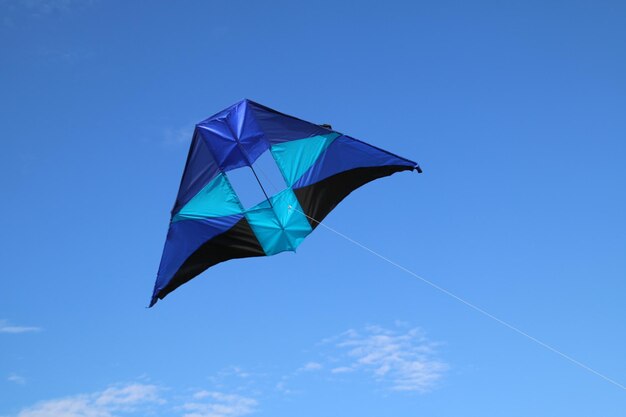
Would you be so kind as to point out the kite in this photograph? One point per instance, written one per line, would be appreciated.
(209, 224)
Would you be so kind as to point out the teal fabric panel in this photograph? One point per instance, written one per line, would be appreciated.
(290, 214)
(268, 230)
(216, 199)
(281, 226)
(295, 157)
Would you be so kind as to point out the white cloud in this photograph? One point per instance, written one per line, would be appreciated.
(17, 379)
(77, 406)
(126, 397)
(239, 372)
(406, 361)
(44, 7)
(236, 378)
(282, 386)
(107, 403)
(311, 366)
(178, 136)
(341, 370)
(400, 359)
(139, 399)
(218, 404)
(5, 327)
(201, 394)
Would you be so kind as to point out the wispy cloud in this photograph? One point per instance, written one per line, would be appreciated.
(311, 366)
(16, 379)
(126, 397)
(218, 404)
(178, 136)
(400, 358)
(282, 387)
(236, 379)
(13, 12)
(50, 6)
(140, 399)
(403, 360)
(5, 327)
(107, 403)
(284, 384)
(341, 370)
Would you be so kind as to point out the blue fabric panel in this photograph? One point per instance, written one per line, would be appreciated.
(294, 158)
(234, 137)
(223, 145)
(184, 238)
(216, 199)
(347, 153)
(279, 127)
(248, 131)
(281, 226)
(200, 169)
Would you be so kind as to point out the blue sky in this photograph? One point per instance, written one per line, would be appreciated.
(515, 110)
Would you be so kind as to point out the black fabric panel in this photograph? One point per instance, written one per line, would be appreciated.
(319, 199)
(238, 242)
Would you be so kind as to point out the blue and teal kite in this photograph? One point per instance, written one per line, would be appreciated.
(209, 224)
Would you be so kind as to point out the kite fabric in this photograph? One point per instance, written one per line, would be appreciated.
(209, 224)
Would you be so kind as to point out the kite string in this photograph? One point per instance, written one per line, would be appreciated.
(467, 303)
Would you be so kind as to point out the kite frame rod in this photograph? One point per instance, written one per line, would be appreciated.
(261, 185)
(244, 153)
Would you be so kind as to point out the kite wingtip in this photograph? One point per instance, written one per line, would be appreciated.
(418, 169)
